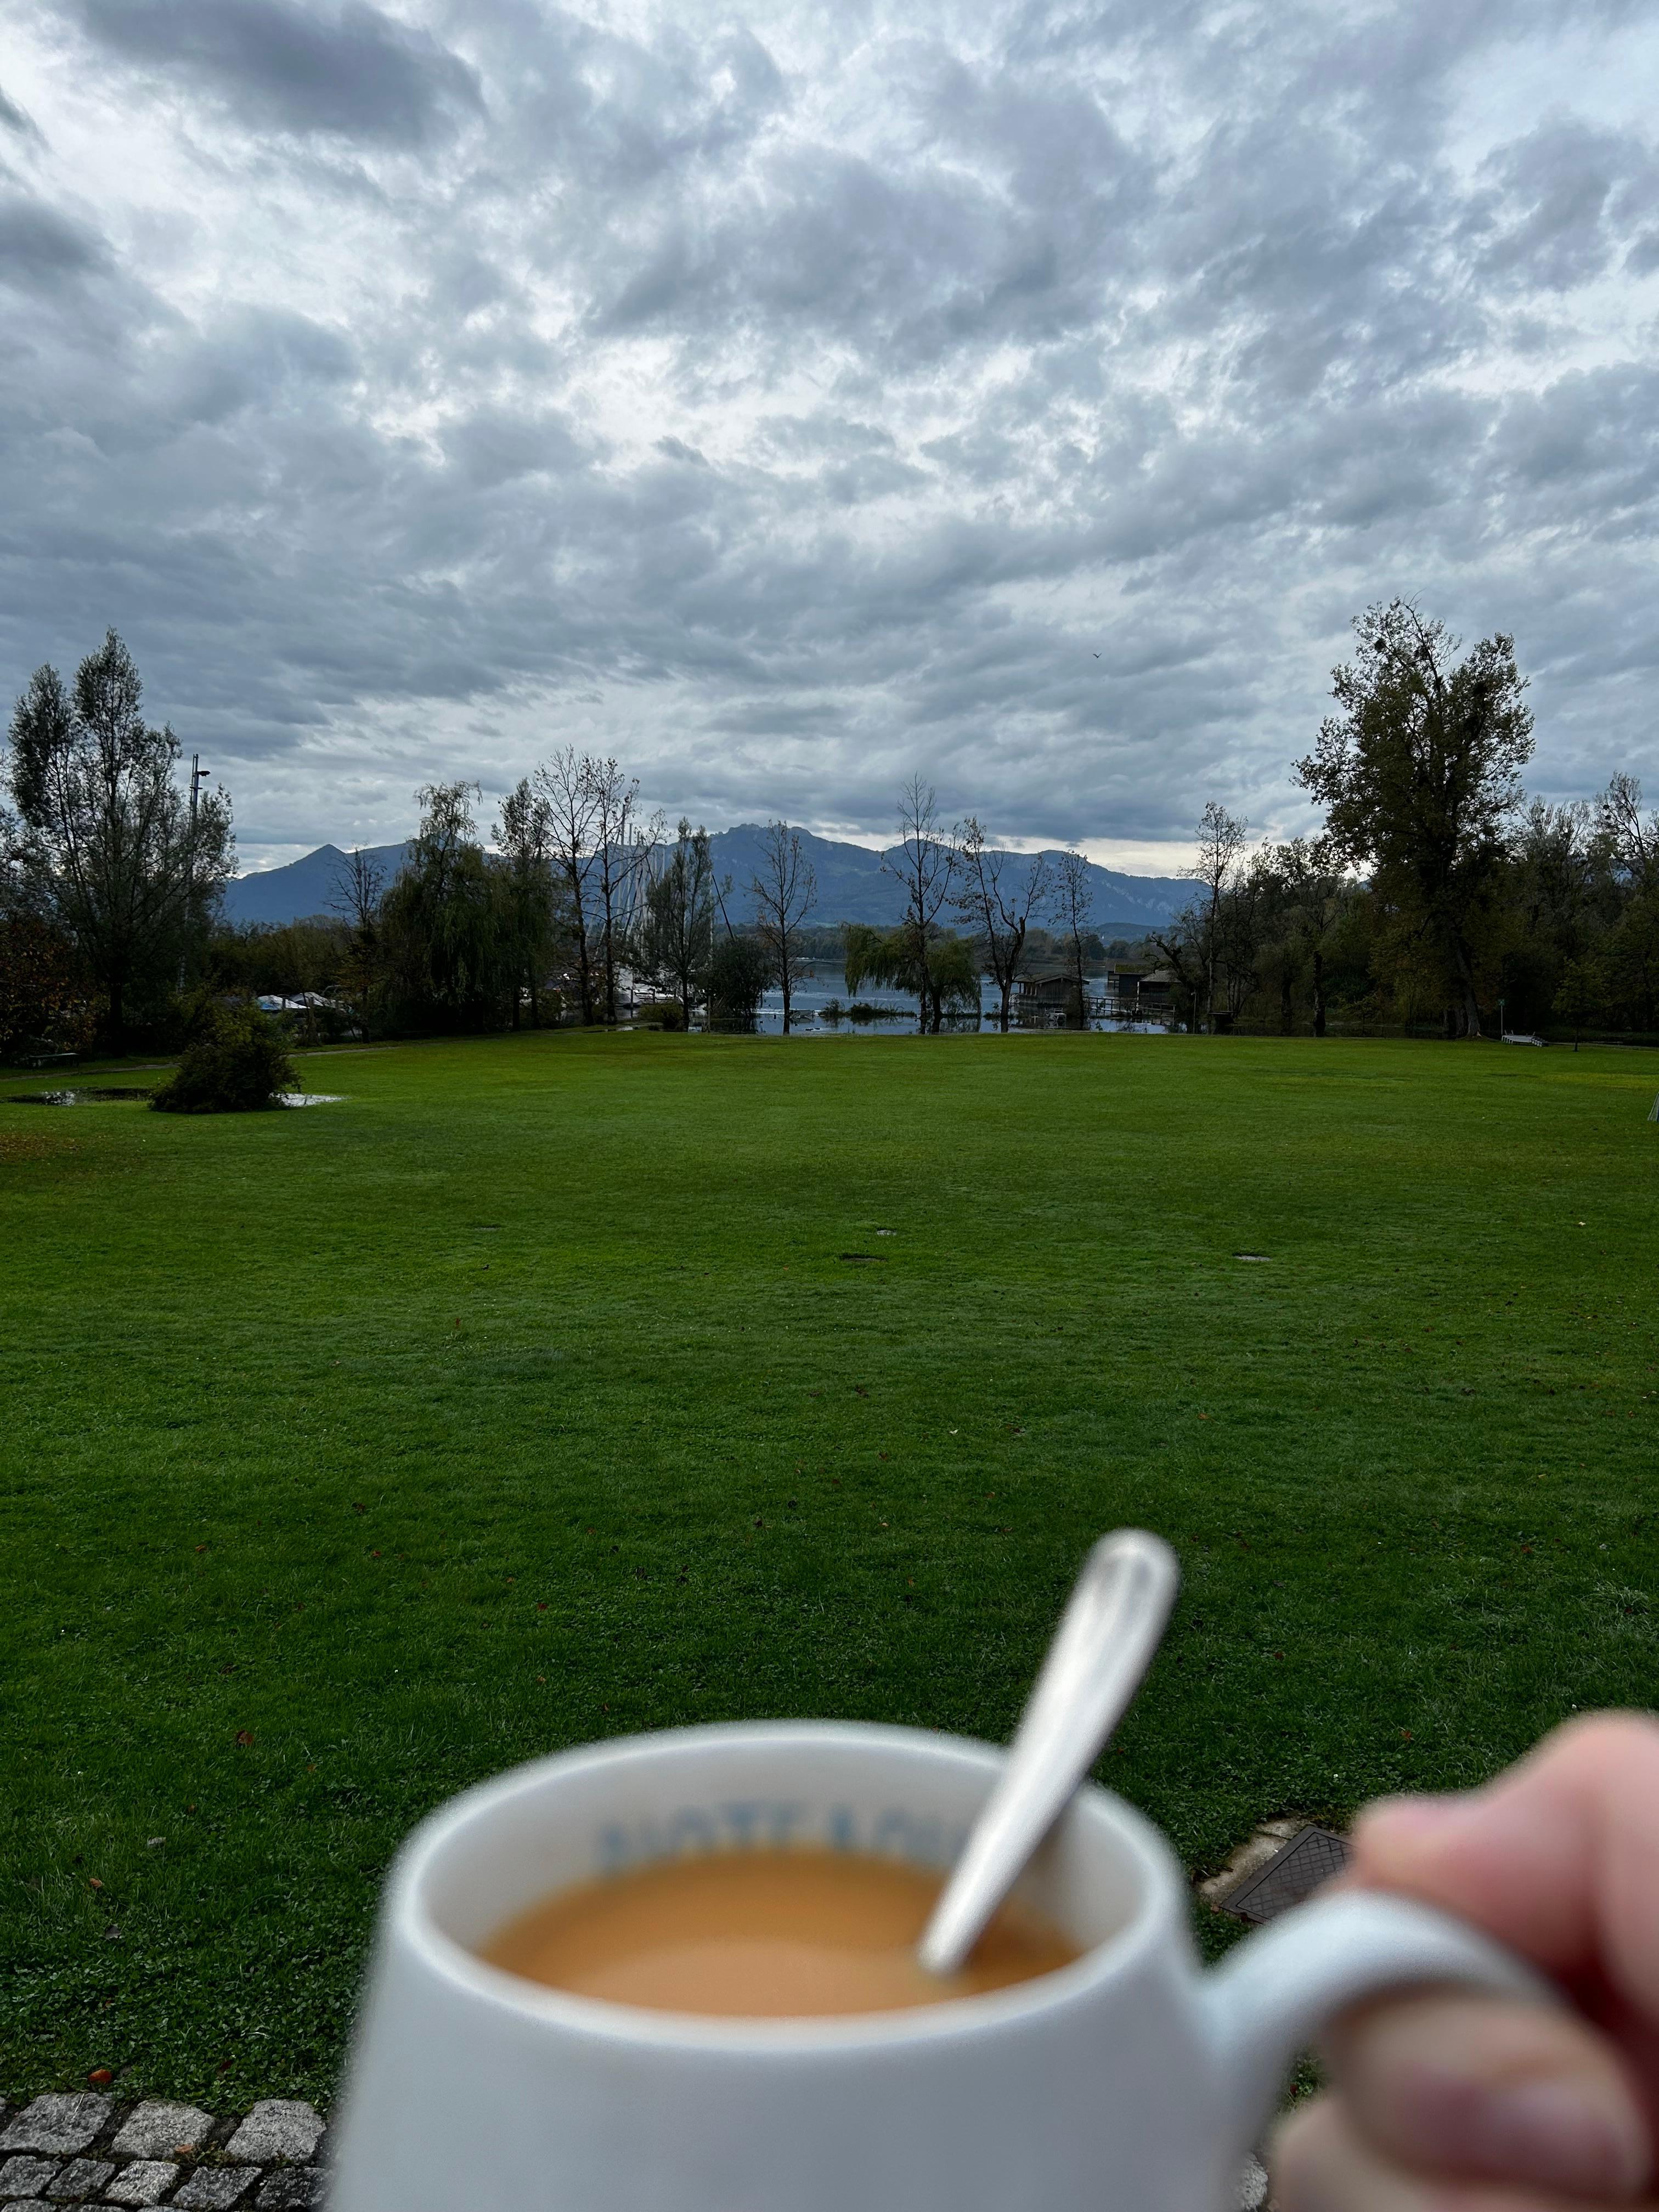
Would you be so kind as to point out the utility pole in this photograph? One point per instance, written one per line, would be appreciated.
(198, 776)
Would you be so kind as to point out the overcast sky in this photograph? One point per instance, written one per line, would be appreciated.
(789, 396)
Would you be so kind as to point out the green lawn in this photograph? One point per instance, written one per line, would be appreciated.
(530, 1396)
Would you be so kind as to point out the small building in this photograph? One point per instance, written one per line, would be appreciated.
(1136, 994)
(1035, 995)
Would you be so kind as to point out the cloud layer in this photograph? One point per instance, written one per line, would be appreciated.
(785, 401)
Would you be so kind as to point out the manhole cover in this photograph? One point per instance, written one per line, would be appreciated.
(1290, 1875)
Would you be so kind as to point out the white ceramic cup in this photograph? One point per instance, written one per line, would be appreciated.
(1128, 2081)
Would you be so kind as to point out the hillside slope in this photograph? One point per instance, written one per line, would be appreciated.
(851, 885)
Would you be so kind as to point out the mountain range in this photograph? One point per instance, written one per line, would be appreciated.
(851, 885)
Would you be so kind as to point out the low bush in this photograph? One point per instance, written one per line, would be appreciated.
(235, 1062)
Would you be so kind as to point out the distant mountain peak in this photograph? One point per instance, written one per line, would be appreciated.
(852, 884)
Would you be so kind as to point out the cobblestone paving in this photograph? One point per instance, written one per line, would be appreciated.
(89, 2150)
(60, 2152)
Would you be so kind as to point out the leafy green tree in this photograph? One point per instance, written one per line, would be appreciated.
(43, 1000)
(1583, 987)
(526, 891)
(1419, 776)
(450, 964)
(675, 938)
(111, 849)
(1073, 904)
(1298, 895)
(739, 970)
(1632, 964)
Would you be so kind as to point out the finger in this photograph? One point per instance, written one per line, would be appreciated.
(1497, 2092)
(1319, 2163)
(1556, 1857)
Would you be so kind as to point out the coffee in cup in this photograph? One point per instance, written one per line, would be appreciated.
(766, 1934)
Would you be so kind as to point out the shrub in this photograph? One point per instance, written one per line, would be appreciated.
(235, 1062)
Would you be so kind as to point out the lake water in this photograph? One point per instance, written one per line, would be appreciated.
(822, 987)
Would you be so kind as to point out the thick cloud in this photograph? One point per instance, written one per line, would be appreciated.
(785, 402)
(353, 72)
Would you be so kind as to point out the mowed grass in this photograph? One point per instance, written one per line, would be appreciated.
(532, 1396)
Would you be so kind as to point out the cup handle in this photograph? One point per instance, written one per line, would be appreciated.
(1268, 1999)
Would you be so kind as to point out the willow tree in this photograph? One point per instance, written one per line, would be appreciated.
(944, 974)
(449, 943)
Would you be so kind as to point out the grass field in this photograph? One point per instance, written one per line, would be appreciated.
(531, 1396)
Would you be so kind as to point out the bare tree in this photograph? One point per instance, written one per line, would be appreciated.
(358, 896)
(1000, 900)
(620, 851)
(784, 890)
(1631, 843)
(1074, 899)
(1220, 842)
(923, 863)
(565, 783)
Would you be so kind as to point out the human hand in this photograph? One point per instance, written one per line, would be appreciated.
(1446, 2102)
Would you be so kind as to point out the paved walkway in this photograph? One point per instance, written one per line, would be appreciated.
(92, 2150)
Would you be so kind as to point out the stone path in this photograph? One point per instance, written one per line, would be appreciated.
(89, 2149)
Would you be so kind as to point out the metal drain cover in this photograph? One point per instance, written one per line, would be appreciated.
(1291, 1873)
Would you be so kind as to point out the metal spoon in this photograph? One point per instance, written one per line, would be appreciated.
(1103, 1645)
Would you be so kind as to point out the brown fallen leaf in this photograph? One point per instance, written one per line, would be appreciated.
(245, 1737)
(100, 2077)
(92, 1881)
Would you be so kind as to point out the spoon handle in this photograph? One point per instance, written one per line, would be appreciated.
(1104, 1643)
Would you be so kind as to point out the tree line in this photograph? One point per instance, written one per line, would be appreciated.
(579, 895)
(1435, 892)
(1438, 893)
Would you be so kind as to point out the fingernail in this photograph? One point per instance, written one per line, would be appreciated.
(1555, 2135)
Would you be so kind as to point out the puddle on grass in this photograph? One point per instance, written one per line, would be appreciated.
(85, 1097)
(79, 1097)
